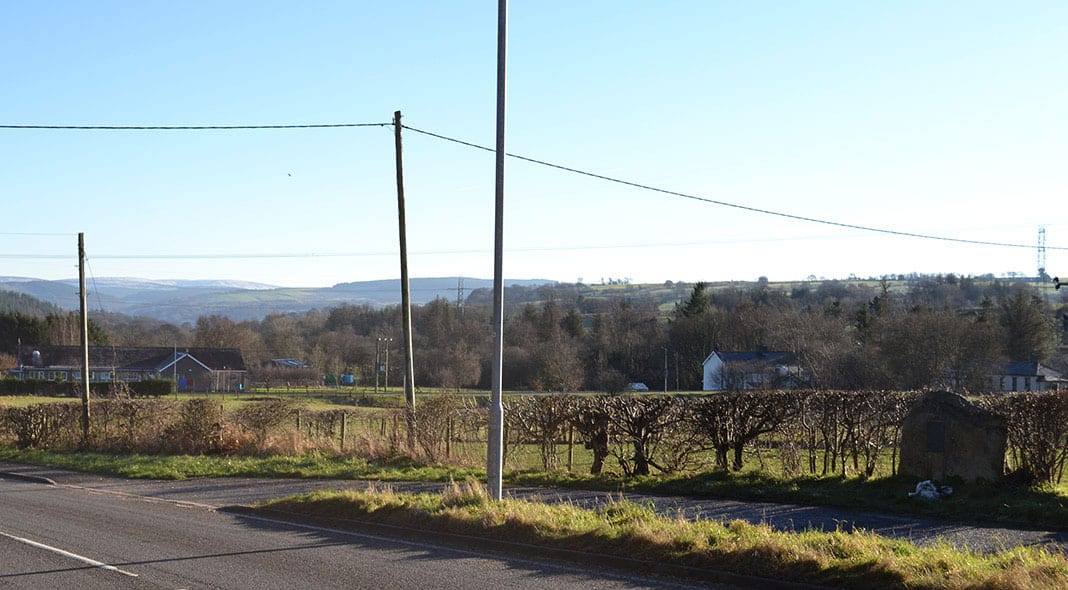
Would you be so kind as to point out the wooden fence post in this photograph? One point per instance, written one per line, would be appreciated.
(344, 423)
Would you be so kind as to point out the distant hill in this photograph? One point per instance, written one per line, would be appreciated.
(21, 303)
(184, 301)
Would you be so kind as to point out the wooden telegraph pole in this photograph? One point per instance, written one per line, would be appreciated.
(84, 338)
(406, 295)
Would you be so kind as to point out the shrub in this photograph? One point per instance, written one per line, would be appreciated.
(39, 425)
(197, 429)
(152, 387)
(542, 420)
(432, 424)
(130, 425)
(1037, 425)
(264, 416)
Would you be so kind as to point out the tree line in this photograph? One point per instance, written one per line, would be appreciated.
(847, 335)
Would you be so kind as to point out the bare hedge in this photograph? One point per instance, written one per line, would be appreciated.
(813, 432)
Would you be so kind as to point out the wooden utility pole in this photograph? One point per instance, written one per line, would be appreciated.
(84, 338)
(378, 362)
(406, 295)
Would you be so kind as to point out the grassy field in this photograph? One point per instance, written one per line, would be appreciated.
(21, 401)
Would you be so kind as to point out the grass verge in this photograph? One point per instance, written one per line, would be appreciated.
(184, 466)
(973, 503)
(841, 559)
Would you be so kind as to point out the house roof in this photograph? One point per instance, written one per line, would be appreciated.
(1030, 369)
(755, 356)
(132, 358)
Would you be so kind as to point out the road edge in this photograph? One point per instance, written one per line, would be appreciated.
(26, 477)
(617, 563)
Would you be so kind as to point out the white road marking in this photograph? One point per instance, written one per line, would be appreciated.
(68, 554)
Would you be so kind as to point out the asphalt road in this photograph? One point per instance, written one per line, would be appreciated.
(75, 536)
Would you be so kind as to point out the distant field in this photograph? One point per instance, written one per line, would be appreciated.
(21, 401)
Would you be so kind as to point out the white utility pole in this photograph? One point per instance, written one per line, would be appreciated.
(495, 438)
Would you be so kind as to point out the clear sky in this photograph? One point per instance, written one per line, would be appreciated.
(944, 118)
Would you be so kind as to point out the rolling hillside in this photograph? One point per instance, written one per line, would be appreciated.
(185, 301)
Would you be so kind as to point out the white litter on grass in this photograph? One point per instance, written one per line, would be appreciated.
(927, 490)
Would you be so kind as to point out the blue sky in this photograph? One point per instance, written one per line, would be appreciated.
(940, 118)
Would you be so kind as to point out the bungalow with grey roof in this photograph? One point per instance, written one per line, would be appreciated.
(1027, 376)
(194, 369)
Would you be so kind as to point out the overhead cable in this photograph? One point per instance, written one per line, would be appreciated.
(620, 181)
(734, 205)
(189, 127)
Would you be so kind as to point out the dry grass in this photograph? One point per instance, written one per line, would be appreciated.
(845, 559)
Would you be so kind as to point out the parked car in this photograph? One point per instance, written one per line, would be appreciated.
(637, 387)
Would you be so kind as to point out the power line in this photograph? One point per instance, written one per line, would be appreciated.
(729, 204)
(282, 255)
(8, 233)
(96, 290)
(603, 177)
(189, 127)
(572, 248)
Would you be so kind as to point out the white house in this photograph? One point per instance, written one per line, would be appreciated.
(1027, 376)
(759, 369)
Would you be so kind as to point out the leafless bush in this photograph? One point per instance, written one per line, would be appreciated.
(129, 425)
(263, 417)
(849, 429)
(731, 421)
(542, 420)
(433, 421)
(198, 428)
(471, 421)
(591, 421)
(639, 424)
(41, 425)
(875, 426)
(1037, 426)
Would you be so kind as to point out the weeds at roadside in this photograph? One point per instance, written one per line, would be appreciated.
(842, 559)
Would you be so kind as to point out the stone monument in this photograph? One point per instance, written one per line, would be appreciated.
(945, 435)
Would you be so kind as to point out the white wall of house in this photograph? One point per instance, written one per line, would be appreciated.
(1009, 383)
(713, 373)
